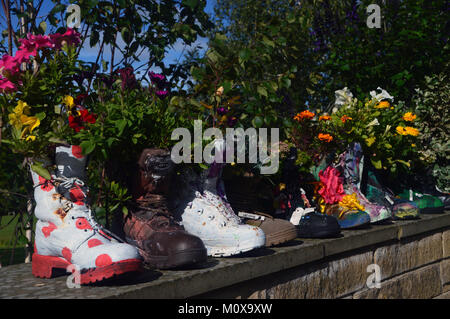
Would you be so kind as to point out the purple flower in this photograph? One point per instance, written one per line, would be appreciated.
(162, 93)
(158, 79)
(128, 79)
(222, 110)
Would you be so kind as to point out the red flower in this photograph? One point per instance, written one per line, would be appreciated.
(88, 117)
(76, 122)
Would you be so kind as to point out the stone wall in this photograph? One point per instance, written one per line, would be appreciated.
(412, 267)
(413, 259)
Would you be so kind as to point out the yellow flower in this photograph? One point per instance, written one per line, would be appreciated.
(68, 100)
(409, 117)
(413, 145)
(30, 123)
(14, 120)
(382, 105)
(412, 131)
(21, 108)
(30, 138)
(401, 130)
(408, 130)
(351, 202)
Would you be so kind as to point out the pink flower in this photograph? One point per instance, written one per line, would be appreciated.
(41, 41)
(23, 56)
(28, 47)
(9, 64)
(6, 86)
(333, 189)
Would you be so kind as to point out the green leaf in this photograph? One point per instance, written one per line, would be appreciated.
(87, 147)
(262, 91)
(39, 169)
(257, 121)
(125, 211)
(41, 116)
(120, 124)
(244, 55)
(376, 163)
(269, 42)
(43, 26)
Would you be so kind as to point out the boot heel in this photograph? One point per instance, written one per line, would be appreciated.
(43, 266)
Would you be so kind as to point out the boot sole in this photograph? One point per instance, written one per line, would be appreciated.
(328, 233)
(180, 259)
(50, 266)
(215, 251)
(177, 260)
(280, 237)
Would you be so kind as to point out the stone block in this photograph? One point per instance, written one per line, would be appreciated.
(399, 258)
(311, 283)
(445, 295)
(349, 274)
(331, 280)
(445, 272)
(424, 283)
(446, 243)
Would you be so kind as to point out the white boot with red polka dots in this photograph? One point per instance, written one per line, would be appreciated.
(67, 234)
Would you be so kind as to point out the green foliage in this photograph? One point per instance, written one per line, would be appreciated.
(432, 105)
(411, 43)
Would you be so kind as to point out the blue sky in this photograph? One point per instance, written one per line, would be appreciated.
(90, 54)
(174, 54)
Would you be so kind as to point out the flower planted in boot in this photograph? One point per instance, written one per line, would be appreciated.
(149, 226)
(67, 235)
(352, 162)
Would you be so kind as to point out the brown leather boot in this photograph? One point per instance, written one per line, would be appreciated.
(149, 225)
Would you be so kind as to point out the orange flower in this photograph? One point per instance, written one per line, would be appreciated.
(324, 118)
(304, 115)
(345, 118)
(409, 117)
(382, 105)
(325, 137)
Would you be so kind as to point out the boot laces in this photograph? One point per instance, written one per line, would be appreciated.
(69, 182)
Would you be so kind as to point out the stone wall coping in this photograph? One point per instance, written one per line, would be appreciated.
(16, 281)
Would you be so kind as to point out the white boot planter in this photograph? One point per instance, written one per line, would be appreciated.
(212, 219)
(66, 232)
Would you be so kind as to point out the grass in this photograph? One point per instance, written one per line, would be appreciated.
(7, 242)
